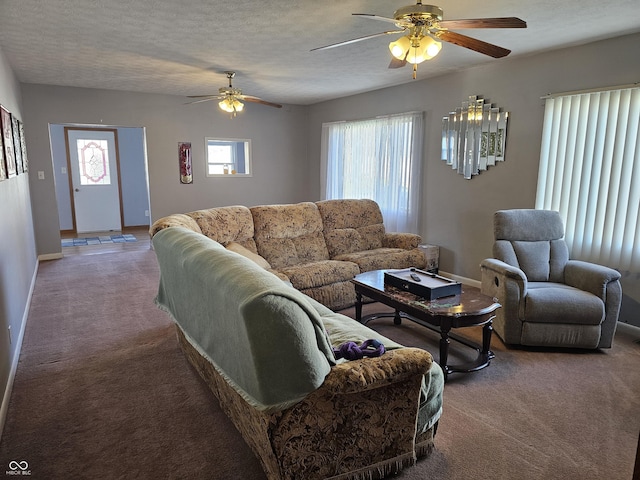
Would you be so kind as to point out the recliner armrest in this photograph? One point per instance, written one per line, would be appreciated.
(504, 270)
(503, 281)
(590, 277)
(407, 241)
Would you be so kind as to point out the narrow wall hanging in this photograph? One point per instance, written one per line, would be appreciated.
(184, 158)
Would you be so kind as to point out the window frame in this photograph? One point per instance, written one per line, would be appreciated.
(235, 144)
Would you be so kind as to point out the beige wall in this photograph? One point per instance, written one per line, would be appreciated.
(18, 262)
(278, 136)
(457, 213)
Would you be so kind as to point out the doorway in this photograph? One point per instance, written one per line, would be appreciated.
(93, 167)
(130, 153)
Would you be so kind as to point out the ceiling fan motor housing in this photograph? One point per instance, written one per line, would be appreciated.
(418, 14)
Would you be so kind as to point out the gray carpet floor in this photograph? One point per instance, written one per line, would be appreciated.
(102, 391)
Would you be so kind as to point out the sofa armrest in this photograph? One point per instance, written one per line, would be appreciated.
(406, 241)
(369, 373)
(174, 220)
(590, 277)
(373, 400)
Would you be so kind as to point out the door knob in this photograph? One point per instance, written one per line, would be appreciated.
(77, 189)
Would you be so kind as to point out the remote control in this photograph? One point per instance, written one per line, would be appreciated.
(415, 277)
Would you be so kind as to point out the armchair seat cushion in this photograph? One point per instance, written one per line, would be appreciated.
(549, 302)
(384, 258)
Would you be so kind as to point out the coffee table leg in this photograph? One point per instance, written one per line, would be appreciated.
(358, 306)
(487, 330)
(444, 349)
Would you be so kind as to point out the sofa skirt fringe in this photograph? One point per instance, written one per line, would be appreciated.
(379, 470)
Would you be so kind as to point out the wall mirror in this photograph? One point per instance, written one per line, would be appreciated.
(228, 157)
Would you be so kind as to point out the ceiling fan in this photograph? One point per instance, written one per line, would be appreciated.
(231, 98)
(423, 27)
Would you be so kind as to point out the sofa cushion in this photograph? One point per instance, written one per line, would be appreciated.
(227, 224)
(317, 274)
(245, 252)
(288, 235)
(385, 258)
(351, 225)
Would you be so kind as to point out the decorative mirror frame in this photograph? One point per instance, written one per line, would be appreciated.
(474, 136)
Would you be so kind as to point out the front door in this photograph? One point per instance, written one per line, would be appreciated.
(92, 158)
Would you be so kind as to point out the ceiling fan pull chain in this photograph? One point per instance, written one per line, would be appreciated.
(415, 70)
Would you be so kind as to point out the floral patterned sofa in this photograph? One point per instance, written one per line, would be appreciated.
(318, 247)
(267, 351)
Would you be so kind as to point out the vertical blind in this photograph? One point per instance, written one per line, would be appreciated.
(379, 159)
(590, 173)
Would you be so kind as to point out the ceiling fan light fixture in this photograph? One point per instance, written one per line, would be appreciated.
(433, 47)
(224, 105)
(415, 50)
(231, 104)
(400, 47)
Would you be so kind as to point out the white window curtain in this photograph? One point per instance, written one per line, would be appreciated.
(590, 173)
(379, 159)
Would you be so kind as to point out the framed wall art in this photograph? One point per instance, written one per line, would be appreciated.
(184, 159)
(17, 147)
(23, 147)
(3, 168)
(7, 140)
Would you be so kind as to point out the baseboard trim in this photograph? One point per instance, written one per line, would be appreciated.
(50, 256)
(4, 408)
(464, 280)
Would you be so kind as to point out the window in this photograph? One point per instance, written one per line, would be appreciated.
(228, 157)
(379, 159)
(590, 173)
(93, 162)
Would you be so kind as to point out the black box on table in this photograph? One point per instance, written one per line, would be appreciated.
(424, 284)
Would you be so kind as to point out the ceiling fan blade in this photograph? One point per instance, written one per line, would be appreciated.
(201, 96)
(499, 22)
(472, 44)
(208, 99)
(249, 98)
(395, 63)
(359, 39)
(404, 23)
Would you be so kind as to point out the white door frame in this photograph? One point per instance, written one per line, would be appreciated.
(70, 177)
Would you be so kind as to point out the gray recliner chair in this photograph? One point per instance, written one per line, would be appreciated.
(547, 299)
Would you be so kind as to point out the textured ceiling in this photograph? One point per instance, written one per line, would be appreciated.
(183, 48)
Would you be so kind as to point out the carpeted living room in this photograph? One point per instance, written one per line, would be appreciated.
(116, 398)
(464, 182)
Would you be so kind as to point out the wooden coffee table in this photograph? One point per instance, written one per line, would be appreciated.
(468, 309)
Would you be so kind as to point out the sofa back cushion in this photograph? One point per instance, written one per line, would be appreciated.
(351, 225)
(288, 235)
(226, 225)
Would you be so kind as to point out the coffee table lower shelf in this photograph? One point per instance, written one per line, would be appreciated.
(485, 355)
